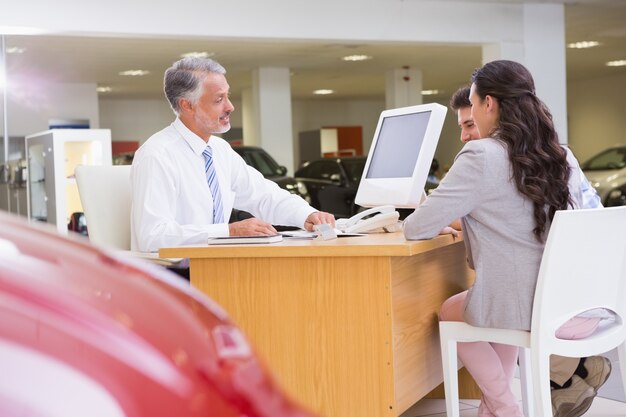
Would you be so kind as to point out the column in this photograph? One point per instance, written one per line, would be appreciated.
(267, 122)
(403, 87)
(544, 42)
(249, 119)
(513, 51)
(543, 53)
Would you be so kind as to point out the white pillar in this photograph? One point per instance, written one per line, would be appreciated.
(249, 120)
(271, 114)
(543, 53)
(403, 87)
(513, 51)
(544, 41)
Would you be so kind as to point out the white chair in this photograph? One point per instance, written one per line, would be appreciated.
(105, 194)
(106, 198)
(583, 267)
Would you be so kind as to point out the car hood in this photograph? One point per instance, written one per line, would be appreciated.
(606, 180)
(156, 345)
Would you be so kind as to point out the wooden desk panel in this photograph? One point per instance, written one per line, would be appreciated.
(420, 284)
(318, 327)
(349, 326)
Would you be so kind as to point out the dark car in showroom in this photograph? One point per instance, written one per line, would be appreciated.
(86, 332)
(332, 184)
(263, 162)
(606, 172)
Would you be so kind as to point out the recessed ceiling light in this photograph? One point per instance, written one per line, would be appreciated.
(197, 54)
(583, 44)
(618, 63)
(134, 73)
(104, 89)
(323, 91)
(356, 58)
(15, 50)
(430, 92)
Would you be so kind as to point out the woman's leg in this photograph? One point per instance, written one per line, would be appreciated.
(491, 365)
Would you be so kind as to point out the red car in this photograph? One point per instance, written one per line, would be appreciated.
(89, 333)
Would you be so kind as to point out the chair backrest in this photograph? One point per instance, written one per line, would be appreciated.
(105, 194)
(583, 267)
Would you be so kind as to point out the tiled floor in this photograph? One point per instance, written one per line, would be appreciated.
(601, 407)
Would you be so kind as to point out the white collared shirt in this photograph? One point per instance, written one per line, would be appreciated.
(172, 203)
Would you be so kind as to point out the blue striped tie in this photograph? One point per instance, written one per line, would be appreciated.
(218, 212)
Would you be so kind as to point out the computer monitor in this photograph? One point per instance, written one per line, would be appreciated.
(400, 156)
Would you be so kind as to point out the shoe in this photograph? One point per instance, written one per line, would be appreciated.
(598, 370)
(574, 400)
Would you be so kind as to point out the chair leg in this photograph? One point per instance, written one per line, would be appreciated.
(450, 373)
(526, 380)
(621, 350)
(541, 382)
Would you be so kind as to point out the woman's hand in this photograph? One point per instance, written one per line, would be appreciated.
(449, 231)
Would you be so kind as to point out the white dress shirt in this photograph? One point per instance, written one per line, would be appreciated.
(172, 203)
(591, 199)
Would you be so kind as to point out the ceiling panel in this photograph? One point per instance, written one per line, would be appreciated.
(313, 64)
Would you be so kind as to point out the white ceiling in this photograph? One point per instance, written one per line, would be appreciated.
(313, 64)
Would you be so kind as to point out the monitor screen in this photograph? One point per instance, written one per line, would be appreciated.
(400, 156)
(402, 132)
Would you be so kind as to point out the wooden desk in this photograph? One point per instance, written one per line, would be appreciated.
(349, 326)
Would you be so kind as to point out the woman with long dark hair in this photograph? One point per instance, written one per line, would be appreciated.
(506, 189)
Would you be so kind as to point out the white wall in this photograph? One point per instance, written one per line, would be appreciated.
(134, 120)
(30, 111)
(314, 114)
(595, 107)
(381, 21)
(384, 20)
(131, 119)
(138, 119)
(596, 114)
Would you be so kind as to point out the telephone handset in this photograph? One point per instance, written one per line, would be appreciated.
(369, 220)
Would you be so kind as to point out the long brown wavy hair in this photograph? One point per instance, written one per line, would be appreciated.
(540, 168)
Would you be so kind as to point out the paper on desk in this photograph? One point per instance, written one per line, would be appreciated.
(299, 234)
(304, 234)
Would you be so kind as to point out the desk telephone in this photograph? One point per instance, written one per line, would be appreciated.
(369, 220)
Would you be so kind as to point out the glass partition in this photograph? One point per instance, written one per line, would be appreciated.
(4, 137)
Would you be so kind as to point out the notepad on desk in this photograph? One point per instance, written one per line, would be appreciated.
(244, 240)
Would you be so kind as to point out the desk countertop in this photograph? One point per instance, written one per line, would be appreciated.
(378, 244)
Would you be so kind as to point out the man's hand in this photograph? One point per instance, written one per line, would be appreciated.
(251, 227)
(319, 217)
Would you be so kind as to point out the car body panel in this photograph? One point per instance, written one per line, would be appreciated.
(606, 172)
(332, 183)
(88, 332)
(263, 162)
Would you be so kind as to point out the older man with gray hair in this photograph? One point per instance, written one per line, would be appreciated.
(185, 181)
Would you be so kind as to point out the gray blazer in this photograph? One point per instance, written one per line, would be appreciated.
(497, 227)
